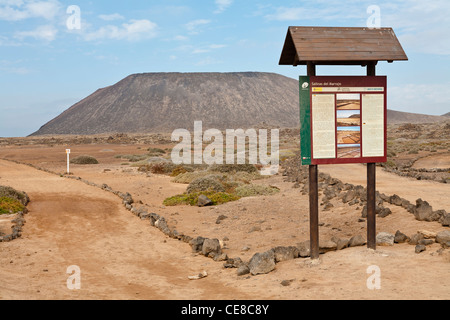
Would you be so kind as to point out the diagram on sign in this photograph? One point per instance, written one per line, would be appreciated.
(343, 119)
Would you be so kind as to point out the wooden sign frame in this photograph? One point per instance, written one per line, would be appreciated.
(343, 119)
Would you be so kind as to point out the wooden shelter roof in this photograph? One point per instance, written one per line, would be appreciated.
(340, 46)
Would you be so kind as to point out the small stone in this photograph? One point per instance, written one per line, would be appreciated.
(326, 246)
(304, 249)
(197, 244)
(285, 253)
(220, 219)
(204, 201)
(400, 237)
(385, 239)
(243, 270)
(233, 263)
(420, 248)
(211, 246)
(445, 219)
(357, 241)
(340, 243)
(349, 196)
(424, 212)
(443, 237)
(255, 229)
(426, 242)
(395, 200)
(262, 263)
(286, 283)
(221, 257)
(199, 276)
(383, 212)
(428, 234)
(414, 240)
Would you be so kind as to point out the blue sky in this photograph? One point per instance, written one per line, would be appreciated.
(47, 63)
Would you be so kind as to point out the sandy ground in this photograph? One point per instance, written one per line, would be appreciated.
(122, 257)
(441, 161)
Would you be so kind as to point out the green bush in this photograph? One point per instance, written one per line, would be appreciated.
(10, 205)
(9, 192)
(84, 160)
(217, 198)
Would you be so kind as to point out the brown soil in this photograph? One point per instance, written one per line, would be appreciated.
(439, 161)
(348, 137)
(349, 152)
(349, 105)
(349, 122)
(122, 257)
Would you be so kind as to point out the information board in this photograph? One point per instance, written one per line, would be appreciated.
(343, 119)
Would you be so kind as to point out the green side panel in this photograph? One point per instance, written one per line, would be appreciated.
(305, 120)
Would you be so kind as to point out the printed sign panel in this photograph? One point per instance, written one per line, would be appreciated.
(343, 120)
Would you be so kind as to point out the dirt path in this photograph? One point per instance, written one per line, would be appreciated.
(120, 257)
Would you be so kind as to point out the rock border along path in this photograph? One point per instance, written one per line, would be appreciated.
(263, 263)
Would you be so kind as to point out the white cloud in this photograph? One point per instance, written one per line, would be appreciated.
(421, 26)
(208, 61)
(208, 48)
(198, 51)
(111, 17)
(181, 38)
(287, 14)
(46, 33)
(14, 67)
(420, 98)
(17, 10)
(192, 26)
(222, 5)
(340, 11)
(135, 30)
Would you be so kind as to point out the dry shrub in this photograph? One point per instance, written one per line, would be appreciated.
(205, 184)
(84, 160)
(177, 171)
(188, 177)
(252, 190)
(158, 168)
(231, 168)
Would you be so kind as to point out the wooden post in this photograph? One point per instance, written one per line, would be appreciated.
(371, 187)
(313, 195)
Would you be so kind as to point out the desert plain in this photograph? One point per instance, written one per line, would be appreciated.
(73, 220)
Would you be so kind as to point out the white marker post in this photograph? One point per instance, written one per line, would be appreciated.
(68, 161)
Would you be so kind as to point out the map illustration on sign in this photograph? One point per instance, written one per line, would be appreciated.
(343, 120)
